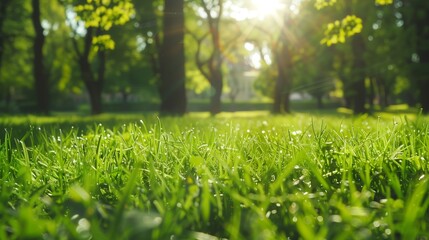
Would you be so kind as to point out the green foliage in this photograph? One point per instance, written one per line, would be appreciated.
(319, 4)
(316, 177)
(104, 40)
(338, 31)
(265, 82)
(15, 72)
(104, 14)
(384, 2)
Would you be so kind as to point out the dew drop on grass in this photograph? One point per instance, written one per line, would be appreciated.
(376, 224)
(294, 219)
(335, 218)
(83, 226)
(47, 200)
(293, 208)
(319, 218)
(374, 204)
(297, 132)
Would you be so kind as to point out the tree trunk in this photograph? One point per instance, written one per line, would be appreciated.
(94, 84)
(97, 86)
(40, 80)
(279, 86)
(216, 65)
(371, 95)
(283, 82)
(8, 97)
(217, 85)
(284, 65)
(124, 96)
(88, 79)
(319, 99)
(421, 21)
(172, 60)
(286, 99)
(382, 92)
(358, 75)
(3, 7)
(94, 91)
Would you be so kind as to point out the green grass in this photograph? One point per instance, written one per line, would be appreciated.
(233, 176)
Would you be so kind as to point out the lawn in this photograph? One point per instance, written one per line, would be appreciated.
(235, 176)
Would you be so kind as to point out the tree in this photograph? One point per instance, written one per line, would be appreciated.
(41, 83)
(172, 60)
(289, 52)
(338, 32)
(280, 40)
(98, 18)
(128, 69)
(149, 32)
(59, 58)
(283, 60)
(386, 57)
(3, 14)
(416, 18)
(351, 27)
(16, 40)
(211, 68)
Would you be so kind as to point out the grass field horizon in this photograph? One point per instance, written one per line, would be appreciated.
(234, 176)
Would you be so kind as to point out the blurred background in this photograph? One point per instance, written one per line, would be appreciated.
(176, 56)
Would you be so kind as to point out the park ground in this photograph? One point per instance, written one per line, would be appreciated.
(239, 175)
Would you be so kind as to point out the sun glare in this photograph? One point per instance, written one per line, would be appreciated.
(256, 9)
(265, 8)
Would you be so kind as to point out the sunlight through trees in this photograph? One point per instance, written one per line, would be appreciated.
(358, 54)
